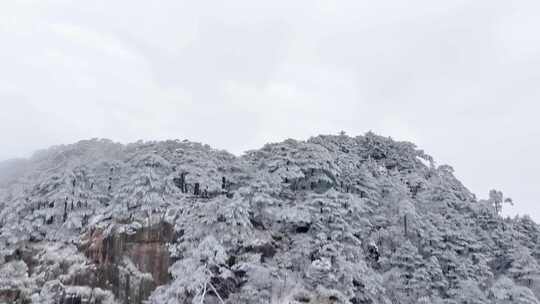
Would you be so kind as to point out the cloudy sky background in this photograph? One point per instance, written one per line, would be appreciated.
(460, 78)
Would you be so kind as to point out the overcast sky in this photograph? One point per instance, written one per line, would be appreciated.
(460, 78)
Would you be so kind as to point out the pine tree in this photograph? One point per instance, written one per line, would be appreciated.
(496, 199)
(524, 268)
(468, 292)
(406, 261)
(437, 281)
(504, 291)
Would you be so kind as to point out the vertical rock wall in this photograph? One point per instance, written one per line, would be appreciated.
(131, 265)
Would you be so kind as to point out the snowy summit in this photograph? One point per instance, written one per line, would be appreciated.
(334, 219)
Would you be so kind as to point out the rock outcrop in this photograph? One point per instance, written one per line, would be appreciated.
(130, 264)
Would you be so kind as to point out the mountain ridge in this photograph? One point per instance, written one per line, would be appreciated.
(332, 219)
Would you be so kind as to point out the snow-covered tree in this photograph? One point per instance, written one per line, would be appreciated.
(524, 268)
(333, 219)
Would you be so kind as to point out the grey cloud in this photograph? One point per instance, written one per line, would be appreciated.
(459, 78)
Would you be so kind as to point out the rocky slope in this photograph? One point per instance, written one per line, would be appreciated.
(335, 219)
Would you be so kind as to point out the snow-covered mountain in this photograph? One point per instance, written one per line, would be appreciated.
(334, 219)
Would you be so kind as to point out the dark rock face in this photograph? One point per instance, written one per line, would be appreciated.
(71, 299)
(25, 254)
(130, 265)
(12, 296)
(267, 250)
(316, 180)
